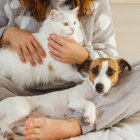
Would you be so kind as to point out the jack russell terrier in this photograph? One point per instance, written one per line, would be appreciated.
(103, 73)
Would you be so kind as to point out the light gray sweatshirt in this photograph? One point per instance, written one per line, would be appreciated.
(98, 29)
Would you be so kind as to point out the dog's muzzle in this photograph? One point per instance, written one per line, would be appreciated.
(99, 88)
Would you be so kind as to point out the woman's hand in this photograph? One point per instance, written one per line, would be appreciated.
(25, 44)
(67, 50)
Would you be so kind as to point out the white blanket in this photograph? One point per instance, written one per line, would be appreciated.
(127, 129)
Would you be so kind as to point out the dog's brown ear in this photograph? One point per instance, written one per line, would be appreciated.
(85, 66)
(123, 64)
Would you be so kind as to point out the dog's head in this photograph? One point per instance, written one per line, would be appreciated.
(104, 72)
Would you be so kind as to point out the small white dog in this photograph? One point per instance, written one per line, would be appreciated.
(63, 23)
(103, 73)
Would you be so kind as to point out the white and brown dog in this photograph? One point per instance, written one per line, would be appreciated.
(103, 73)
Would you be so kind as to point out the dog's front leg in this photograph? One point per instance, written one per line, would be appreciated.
(87, 106)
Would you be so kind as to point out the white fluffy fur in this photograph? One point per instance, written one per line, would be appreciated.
(27, 76)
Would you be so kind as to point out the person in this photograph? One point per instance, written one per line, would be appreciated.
(20, 18)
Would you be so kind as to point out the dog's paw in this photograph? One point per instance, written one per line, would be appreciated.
(7, 133)
(90, 114)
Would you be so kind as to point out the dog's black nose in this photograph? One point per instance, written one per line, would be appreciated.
(99, 87)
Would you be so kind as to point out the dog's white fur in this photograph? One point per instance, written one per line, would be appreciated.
(55, 104)
(27, 76)
(103, 78)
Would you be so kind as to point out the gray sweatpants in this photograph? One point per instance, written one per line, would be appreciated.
(122, 100)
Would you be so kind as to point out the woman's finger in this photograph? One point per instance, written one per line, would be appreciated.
(54, 51)
(68, 39)
(20, 54)
(34, 53)
(57, 58)
(38, 47)
(55, 45)
(28, 55)
(58, 39)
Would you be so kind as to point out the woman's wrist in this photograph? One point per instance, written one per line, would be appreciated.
(84, 57)
(6, 35)
(87, 55)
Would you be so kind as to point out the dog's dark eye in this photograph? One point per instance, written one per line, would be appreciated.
(65, 24)
(110, 72)
(95, 70)
(74, 22)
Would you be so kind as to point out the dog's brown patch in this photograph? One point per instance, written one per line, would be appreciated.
(123, 64)
(114, 66)
(50, 68)
(94, 64)
(84, 66)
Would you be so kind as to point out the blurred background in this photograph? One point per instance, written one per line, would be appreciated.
(126, 18)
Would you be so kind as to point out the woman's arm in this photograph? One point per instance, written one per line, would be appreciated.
(4, 20)
(103, 40)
